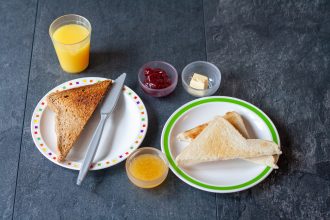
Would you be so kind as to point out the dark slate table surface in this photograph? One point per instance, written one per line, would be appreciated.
(274, 54)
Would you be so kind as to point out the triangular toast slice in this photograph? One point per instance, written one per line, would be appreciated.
(237, 121)
(233, 117)
(73, 108)
(221, 141)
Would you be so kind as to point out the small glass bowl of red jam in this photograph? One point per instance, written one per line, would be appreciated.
(158, 78)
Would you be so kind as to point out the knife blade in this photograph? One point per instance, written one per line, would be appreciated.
(111, 99)
(108, 105)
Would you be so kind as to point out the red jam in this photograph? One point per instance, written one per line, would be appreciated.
(156, 78)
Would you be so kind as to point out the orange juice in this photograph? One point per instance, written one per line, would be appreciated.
(147, 170)
(72, 43)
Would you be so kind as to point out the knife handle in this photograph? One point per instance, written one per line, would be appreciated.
(91, 150)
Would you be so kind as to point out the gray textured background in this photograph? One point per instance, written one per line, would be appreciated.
(274, 54)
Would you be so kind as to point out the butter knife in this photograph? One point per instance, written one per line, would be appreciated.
(108, 105)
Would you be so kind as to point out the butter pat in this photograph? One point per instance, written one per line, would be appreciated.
(199, 81)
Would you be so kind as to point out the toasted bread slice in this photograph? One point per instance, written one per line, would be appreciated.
(233, 117)
(221, 141)
(191, 134)
(73, 108)
(236, 120)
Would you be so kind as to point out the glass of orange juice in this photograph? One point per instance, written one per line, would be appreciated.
(71, 35)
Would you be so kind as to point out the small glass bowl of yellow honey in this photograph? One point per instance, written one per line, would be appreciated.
(147, 167)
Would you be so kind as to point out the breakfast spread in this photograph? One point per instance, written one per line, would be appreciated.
(147, 168)
(220, 140)
(201, 78)
(199, 81)
(73, 108)
(156, 78)
(224, 138)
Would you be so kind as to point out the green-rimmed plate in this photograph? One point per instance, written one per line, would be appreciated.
(221, 176)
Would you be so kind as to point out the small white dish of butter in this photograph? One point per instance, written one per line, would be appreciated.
(201, 78)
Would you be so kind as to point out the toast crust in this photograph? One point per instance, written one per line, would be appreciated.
(73, 109)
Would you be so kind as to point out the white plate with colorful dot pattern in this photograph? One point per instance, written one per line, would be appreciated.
(123, 132)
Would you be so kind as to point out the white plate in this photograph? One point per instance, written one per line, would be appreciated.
(221, 176)
(123, 132)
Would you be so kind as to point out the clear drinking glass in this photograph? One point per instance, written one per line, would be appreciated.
(71, 36)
